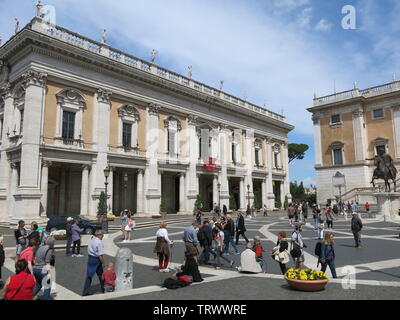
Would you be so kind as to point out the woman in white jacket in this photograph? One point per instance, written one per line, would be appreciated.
(162, 247)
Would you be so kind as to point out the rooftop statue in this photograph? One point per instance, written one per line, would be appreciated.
(385, 170)
(153, 55)
(16, 25)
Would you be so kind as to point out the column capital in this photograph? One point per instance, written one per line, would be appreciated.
(86, 167)
(46, 163)
(140, 172)
(5, 91)
(396, 108)
(34, 78)
(357, 113)
(315, 118)
(192, 120)
(14, 165)
(103, 96)
(154, 109)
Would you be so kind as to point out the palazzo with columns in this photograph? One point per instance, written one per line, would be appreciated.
(349, 128)
(71, 106)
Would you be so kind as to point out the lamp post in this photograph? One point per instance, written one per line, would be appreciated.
(125, 186)
(219, 195)
(338, 181)
(248, 197)
(104, 221)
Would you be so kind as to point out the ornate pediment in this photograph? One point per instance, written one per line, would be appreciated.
(71, 96)
(128, 111)
(336, 145)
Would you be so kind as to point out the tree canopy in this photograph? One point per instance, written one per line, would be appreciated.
(297, 151)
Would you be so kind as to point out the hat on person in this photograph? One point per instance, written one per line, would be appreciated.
(69, 219)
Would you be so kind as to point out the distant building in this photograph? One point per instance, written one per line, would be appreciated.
(350, 127)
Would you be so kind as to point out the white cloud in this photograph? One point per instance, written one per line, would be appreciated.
(290, 4)
(323, 25)
(307, 182)
(304, 18)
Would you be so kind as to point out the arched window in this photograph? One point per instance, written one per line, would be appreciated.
(128, 128)
(70, 106)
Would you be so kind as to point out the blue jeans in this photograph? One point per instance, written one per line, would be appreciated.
(68, 247)
(331, 264)
(232, 242)
(93, 267)
(39, 275)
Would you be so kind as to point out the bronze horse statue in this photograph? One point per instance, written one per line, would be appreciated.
(384, 170)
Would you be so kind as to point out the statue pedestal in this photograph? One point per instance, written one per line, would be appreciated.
(388, 206)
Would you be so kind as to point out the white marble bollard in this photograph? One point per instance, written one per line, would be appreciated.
(124, 270)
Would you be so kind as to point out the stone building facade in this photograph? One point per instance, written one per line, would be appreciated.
(71, 106)
(350, 127)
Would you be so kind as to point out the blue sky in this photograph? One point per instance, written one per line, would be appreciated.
(278, 51)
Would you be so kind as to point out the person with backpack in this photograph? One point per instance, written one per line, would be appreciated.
(326, 254)
(44, 260)
(28, 253)
(297, 247)
(204, 236)
(280, 252)
(68, 230)
(240, 228)
(21, 236)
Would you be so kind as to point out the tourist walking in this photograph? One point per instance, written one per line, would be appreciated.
(240, 228)
(265, 211)
(96, 263)
(354, 207)
(124, 217)
(76, 239)
(2, 259)
(329, 217)
(229, 231)
(356, 227)
(205, 239)
(130, 224)
(19, 286)
(162, 247)
(44, 260)
(20, 236)
(224, 210)
(315, 215)
(198, 217)
(327, 257)
(280, 252)
(367, 208)
(298, 245)
(68, 230)
(28, 253)
(291, 211)
(304, 208)
(190, 239)
(219, 246)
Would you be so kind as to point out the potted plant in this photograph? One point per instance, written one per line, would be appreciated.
(163, 206)
(102, 212)
(306, 280)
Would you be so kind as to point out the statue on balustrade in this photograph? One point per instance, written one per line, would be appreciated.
(385, 170)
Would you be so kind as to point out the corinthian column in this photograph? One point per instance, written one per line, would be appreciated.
(85, 190)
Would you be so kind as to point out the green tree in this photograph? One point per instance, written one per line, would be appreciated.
(102, 206)
(198, 203)
(297, 151)
(232, 203)
(164, 204)
(256, 203)
(278, 203)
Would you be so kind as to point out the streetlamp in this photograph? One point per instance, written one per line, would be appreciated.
(338, 181)
(219, 195)
(125, 186)
(248, 197)
(104, 221)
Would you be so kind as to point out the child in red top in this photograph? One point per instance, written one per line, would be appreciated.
(109, 277)
(258, 249)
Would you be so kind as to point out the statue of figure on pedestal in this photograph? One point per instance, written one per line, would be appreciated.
(16, 25)
(190, 72)
(385, 169)
(104, 36)
(39, 8)
(153, 55)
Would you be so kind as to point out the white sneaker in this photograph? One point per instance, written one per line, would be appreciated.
(80, 255)
(73, 255)
(165, 270)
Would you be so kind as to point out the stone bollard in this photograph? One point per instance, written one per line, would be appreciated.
(124, 270)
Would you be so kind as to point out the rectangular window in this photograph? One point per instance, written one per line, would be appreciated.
(337, 157)
(335, 119)
(126, 135)
(276, 160)
(378, 114)
(380, 149)
(21, 121)
(68, 126)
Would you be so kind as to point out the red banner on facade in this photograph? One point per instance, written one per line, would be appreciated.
(209, 164)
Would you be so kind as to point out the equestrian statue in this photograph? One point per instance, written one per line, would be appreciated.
(385, 170)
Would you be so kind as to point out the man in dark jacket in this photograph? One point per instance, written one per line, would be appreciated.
(205, 240)
(356, 226)
(240, 228)
(229, 232)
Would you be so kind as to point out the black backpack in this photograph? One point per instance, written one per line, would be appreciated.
(318, 249)
(170, 283)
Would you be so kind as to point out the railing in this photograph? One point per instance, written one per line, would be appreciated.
(85, 43)
(369, 92)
